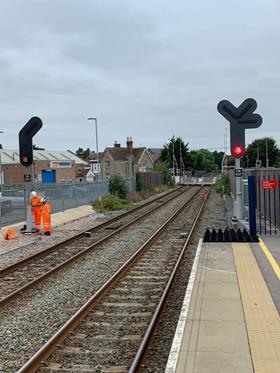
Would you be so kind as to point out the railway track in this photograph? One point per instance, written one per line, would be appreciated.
(110, 332)
(20, 276)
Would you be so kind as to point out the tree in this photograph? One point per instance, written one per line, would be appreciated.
(202, 160)
(35, 147)
(218, 157)
(258, 146)
(167, 152)
(84, 154)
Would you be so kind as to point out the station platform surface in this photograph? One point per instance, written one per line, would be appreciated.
(229, 320)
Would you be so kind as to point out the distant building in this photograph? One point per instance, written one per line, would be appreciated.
(155, 154)
(48, 167)
(125, 161)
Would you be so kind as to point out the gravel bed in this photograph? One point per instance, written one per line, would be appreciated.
(29, 321)
(27, 245)
(156, 358)
(23, 273)
(107, 327)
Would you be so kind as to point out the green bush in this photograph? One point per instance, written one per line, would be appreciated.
(139, 184)
(170, 181)
(118, 187)
(223, 185)
(111, 203)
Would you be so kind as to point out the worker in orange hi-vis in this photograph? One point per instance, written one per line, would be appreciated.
(36, 209)
(46, 216)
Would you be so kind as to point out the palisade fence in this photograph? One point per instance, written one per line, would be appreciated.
(267, 200)
(149, 180)
(61, 196)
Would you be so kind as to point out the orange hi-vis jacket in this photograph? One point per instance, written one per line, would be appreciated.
(36, 210)
(46, 217)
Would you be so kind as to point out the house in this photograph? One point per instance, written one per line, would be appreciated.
(155, 154)
(125, 161)
(48, 167)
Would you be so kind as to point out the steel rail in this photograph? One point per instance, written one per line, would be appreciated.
(50, 346)
(145, 341)
(27, 286)
(93, 229)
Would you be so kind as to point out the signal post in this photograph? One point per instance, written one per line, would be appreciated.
(26, 159)
(240, 118)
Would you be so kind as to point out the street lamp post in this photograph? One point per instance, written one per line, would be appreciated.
(1, 166)
(96, 138)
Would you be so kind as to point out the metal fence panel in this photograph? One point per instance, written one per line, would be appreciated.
(267, 200)
(62, 197)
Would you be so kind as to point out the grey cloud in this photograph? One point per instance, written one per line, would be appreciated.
(145, 69)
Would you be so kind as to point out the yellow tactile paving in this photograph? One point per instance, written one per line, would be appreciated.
(261, 316)
(270, 258)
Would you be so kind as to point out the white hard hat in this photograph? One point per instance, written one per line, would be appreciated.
(33, 194)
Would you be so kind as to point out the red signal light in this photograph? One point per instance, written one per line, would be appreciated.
(24, 158)
(237, 151)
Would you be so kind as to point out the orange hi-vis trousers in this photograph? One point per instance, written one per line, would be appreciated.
(36, 211)
(46, 217)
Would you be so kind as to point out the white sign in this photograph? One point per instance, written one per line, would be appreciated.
(90, 176)
(95, 167)
(60, 164)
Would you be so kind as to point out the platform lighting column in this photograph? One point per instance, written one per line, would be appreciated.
(96, 138)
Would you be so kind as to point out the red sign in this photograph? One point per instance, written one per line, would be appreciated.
(203, 196)
(269, 184)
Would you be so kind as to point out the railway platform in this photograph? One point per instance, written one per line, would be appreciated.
(229, 320)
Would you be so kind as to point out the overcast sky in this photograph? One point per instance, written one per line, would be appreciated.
(146, 69)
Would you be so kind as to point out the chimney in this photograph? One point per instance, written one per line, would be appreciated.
(117, 145)
(129, 144)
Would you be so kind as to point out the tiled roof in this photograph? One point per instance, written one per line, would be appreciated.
(154, 153)
(121, 154)
(9, 156)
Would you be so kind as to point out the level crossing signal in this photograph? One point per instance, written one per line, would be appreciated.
(25, 140)
(240, 118)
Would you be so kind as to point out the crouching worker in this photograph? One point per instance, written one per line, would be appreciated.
(46, 216)
(36, 209)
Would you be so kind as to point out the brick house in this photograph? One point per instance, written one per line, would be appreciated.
(48, 166)
(125, 161)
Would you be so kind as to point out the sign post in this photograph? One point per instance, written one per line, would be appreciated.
(240, 118)
(26, 159)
